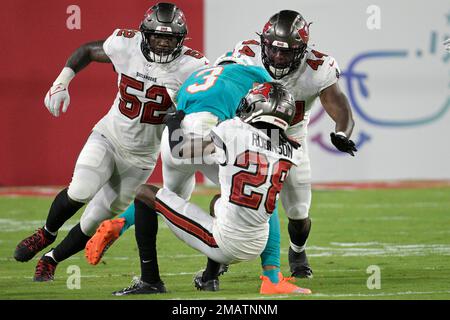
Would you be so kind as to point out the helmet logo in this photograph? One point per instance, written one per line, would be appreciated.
(263, 89)
(182, 17)
(267, 27)
(148, 13)
(304, 32)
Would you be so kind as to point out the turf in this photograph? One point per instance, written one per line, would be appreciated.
(404, 232)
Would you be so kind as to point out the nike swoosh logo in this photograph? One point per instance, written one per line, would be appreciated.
(331, 64)
(146, 261)
(52, 93)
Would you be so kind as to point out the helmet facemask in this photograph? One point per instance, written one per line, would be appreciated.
(280, 61)
(161, 47)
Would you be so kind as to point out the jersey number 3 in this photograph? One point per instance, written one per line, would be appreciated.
(244, 179)
(209, 76)
(130, 105)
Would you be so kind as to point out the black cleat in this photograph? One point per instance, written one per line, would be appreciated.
(298, 262)
(140, 287)
(29, 247)
(45, 270)
(209, 285)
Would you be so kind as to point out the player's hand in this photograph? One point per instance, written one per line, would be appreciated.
(173, 120)
(57, 98)
(342, 143)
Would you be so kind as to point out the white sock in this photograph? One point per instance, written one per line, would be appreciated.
(297, 248)
(52, 233)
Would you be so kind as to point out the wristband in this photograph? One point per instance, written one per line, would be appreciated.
(66, 75)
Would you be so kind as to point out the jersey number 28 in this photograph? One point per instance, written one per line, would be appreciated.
(245, 178)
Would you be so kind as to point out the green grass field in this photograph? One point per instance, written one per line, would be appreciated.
(405, 232)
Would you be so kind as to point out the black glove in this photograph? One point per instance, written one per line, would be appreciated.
(342, 143)
(173, 123)
(173, 120)
(292, 142)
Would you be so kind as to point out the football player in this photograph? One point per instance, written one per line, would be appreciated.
(308, 74)
(207, 96)
(254, 154)
(122, 150)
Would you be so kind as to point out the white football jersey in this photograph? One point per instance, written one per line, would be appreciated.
(251, 174)
(316, 72)
(135, 121)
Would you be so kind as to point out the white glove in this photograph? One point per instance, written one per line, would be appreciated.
(57, 97)
(447, 44)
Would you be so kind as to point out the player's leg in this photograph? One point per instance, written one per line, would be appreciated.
(270, 257)
(114, 197)
(188, 222)
(93, 168)
(296, 199)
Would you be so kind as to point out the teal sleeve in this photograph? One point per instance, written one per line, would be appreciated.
(271, 254)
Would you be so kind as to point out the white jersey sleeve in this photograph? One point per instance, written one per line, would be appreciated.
(327, 74)
(248, 52)
(121, 45)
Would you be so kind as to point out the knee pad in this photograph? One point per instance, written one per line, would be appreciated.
(297, 201)
(83, 190)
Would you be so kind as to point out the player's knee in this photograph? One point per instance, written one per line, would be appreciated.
(89, 224)
(298, 212)
(147, 194)
(82, 191)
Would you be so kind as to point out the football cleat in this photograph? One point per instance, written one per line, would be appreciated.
(104, 237)
(29, 247)
(209, 285)
(140, 287)
(45, 269)
(298, 262)
(282, 287)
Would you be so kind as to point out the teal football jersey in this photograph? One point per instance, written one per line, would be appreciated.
(219, 89)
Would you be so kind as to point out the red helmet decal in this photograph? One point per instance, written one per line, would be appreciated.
(182, 17)
(267, 26)
(148, 13)
(304, 32)
(263, 89)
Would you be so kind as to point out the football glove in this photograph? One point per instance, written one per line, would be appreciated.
(57, 97)
(342, 143)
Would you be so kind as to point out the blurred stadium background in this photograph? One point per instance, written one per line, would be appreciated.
(396, 78)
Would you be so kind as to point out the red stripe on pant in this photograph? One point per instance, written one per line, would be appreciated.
(186, 224)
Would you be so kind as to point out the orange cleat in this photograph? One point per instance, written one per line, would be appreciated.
(282, 287)
(104, 237)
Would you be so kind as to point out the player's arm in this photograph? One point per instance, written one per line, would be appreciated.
(58, 95)
(81, 57)
(336, 105)
(182, 146)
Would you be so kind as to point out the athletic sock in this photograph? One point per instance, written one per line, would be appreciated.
(128, 215)
(61, 210)
(73, 243)
(146, 229)
(211, 271)
(272, 274)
